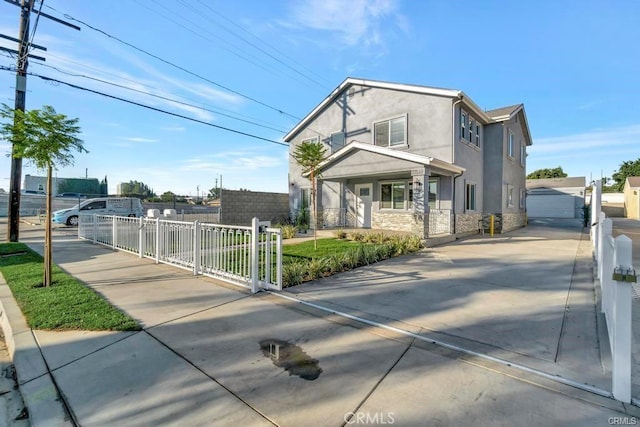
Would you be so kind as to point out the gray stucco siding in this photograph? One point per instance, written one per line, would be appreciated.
(364, 163)
(513, 172)
(493, 153)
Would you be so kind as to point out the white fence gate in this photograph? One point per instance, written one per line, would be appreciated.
(245, 256)
(615, 271)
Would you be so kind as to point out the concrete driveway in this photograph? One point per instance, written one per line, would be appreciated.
(526, 297)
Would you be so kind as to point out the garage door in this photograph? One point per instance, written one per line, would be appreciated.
(551, 206)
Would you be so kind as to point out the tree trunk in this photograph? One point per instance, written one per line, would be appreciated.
(315, 211)
(47, 233)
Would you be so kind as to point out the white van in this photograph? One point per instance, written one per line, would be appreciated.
(119, 206)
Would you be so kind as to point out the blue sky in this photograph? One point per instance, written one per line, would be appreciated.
(574, 64)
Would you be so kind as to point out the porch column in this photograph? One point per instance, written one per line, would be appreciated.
(420, 178)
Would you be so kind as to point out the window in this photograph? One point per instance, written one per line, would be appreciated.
(101, 204)
(463, 124)
(523, 154)
(40, 187)
(305, 198)
(364, 192)
(523, 195)
(390, 133)
(392, 195)
(310, 140)
(471, 122)
(433, 192)
(510, 147)
(336, 141)
(509, 196)
(470, 197)
(477, 134)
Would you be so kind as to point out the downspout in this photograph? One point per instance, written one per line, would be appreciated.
(453, 158)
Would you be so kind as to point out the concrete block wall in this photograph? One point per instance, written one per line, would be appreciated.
(239, 207)
(512, 221)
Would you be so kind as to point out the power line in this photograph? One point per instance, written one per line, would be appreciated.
(67, 16)
(161, 97)
(50, 79)
(278, 60)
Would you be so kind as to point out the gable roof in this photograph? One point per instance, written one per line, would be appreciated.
(634, 181)
(576, 181)
(403, 155)
(351, 81)
(500, 113)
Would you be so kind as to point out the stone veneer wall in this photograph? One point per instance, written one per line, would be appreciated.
(511, 221)
(467, 223)
(399, 221)
(239, 207)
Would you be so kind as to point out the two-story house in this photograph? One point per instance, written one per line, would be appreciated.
(412, 158)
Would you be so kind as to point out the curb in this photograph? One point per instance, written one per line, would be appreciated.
(36, 385)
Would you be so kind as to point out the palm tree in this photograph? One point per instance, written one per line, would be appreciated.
(47, 139)
(309, 155)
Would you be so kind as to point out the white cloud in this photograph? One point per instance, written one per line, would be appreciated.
(358, 22)
(139, 139)
(173, 129)
(598, 138)
(232, 161)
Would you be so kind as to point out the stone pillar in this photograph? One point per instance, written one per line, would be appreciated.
(420, 178)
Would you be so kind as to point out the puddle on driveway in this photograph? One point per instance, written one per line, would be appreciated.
(291, 358)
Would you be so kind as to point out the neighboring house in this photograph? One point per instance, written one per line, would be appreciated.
(555, 197)
(413, 158)
(632, 197)
(39, 183)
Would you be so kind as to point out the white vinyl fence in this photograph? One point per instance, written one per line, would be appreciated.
(615, 271)
(245, 256)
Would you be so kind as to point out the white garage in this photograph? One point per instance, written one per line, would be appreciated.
(555, 197)
(551, 206)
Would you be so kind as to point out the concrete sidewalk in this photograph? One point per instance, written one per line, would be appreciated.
(203, 357)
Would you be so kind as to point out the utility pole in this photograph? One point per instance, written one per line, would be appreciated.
(21, 91)
(26, 8)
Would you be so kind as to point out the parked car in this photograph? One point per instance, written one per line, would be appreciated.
(72, 195)
(119, 206)
(34, 192)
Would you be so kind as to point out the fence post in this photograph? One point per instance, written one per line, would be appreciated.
(596, 197)
(114, 234)
(95, 228)
(279, 261)
(268, 250)
(601, 239)
(606, 265)
(141, 236)
(621, 354)
(157, 240)
(255, 254)
(196, 247)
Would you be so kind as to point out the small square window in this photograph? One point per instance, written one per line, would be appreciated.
(364, 192)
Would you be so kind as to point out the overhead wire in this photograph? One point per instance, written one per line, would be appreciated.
(139, 104)
(165, 61)
(119, 76)
(35, 27)
(263, 51)
(159, 97)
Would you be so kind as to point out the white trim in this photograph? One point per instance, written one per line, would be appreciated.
(403, 155)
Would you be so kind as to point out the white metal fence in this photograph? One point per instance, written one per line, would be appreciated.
(246, 256)
(615, 271)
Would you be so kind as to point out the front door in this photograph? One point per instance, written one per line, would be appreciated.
(364, 195)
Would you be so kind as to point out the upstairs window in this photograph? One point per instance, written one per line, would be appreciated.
(510, 145)
(471, 123)
(336, 141)
(390, 133)
(463, 124)
(477, 134)
(523, 154)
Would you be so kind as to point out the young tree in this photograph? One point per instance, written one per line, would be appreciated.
(627, 169)
(547, 173)
(47, 139)
(309, 155)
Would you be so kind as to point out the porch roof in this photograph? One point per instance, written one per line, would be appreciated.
(416, 159)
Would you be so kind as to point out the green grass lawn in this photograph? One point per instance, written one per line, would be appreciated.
(67, 305)
(325, 247)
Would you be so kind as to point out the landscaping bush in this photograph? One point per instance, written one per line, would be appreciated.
(316, 268)
(356, 236)
(288, 231)
(340, 233)
(293, 273)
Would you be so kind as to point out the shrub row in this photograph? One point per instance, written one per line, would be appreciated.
(295, 270)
